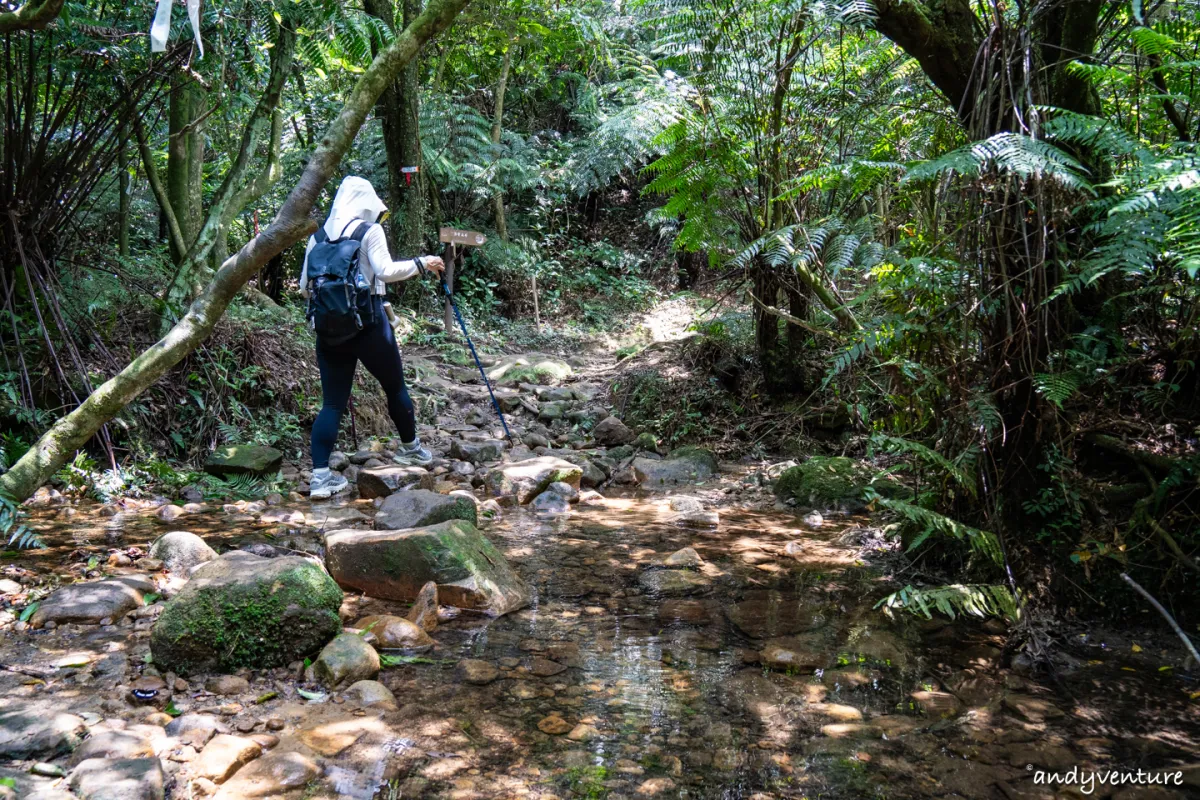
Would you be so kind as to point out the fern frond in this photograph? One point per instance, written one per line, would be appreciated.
(978, 600)
(931, 523)
(1006, 154)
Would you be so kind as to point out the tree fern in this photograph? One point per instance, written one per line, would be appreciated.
(930, 523)
(1007, 154)
(978, 600)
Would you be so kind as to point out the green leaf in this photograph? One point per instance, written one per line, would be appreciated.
(28, 612)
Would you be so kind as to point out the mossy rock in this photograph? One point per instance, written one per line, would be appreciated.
(645, 441)
(832, 482)
(697, 455)
(531, 368)
(245, 611)
(244, 459)
(395, 565)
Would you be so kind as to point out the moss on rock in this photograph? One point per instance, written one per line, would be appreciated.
(244, 611)
(831, 482)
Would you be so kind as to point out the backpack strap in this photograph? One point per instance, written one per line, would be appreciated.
(361, 232)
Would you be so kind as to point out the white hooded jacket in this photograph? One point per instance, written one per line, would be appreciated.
(356, 200)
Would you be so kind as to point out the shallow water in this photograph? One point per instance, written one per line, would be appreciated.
(664, 696)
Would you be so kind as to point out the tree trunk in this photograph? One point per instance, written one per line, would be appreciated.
(388, 110)
(185, 158)
(71, 432)
(497, 128)
(413, 209)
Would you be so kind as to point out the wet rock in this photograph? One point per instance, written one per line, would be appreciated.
(396, 633)
(477, 452)
(700, 520)
(418, 508)
(91, 602)
(338, 460)
(326, 517)
(553, 409)
(223, 756)
(766, 613)
(849, 730)
(244, 459)
(836, 711)
(831, 482)
(655, 786)
(686, 558)
(424, 612)
(468, 569)
(813, 519)
(564, 490)
(1032, 708)
(690, 612)
(170, 513)
(673, 582)
(477, 672)
(118, 779)
(227, 685)
(611, 432)
(554, 725)
(345, 660)
(244, 611)
(385, 481)
(685, 465)
(180, 551)
(545, 668)
(550, 504)
(878, 645)
(372, 693)
(583, 733)
(593, 475)
(795, 654)
(273, 775)
(38, 731)
(527, 479)
(938, 705)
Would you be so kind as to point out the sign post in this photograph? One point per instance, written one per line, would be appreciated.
(454, 239)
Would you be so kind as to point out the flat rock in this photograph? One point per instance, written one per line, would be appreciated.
(477, 672)
(244, 459)
(273, 775)
(468, 569)
(223, 756)
(91, 602)
(687, 611)
(39, 732)
(245, 611)
(386, 481)
(106, 743)
(346, 660)
(686, 558)
(118, 779)
(795, 653)
(686, 465)
(545, 668)
(525, 480)
(372, 693)
(939, 705)
(673, 582)
(181, 551)
(477, 452)
(1032, 708)
(396, 633)
(700, 520)
(227, 685)
(418, 508)
(554, 725)
(765, 613)
(331, 517)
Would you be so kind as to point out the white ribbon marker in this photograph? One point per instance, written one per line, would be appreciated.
(161, 29)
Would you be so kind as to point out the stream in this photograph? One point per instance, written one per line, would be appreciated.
(616, 683)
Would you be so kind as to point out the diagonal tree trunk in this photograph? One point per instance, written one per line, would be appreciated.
(497, 129)
(293, 223)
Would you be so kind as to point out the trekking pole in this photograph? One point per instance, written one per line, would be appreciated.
(463, 327)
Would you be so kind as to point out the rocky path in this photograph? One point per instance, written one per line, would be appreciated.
(575, 614)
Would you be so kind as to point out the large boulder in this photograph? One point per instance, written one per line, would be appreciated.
(831, 482)
(468, 569)
(685, 465)
(181, 551)
(245, 611)
(417, 508)
(244, 459)
(93, 602)
(385, 481)
(527, 479)
(610, 431)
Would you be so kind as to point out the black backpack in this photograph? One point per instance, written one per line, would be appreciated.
(339, 297)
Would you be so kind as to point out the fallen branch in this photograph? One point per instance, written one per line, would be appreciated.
(786, 317)
(1112, 444)
(1187, 642)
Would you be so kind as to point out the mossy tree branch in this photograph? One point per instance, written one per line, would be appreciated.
(292, 223)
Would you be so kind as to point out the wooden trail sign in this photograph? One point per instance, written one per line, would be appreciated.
(465, 238)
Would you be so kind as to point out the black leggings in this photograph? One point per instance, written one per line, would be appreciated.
(376, 348)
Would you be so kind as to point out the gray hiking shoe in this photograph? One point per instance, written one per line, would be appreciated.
(413, 454)
(321, 488)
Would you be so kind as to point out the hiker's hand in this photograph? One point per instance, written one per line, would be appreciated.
(434, 264)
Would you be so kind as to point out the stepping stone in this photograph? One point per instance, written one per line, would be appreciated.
(674, 582)
(36, 731)
(118, 779)
(766, 613)
(273, 775)
(223, 756)
(417, 508)
(525, 480)
(385, 481)
(91, 602)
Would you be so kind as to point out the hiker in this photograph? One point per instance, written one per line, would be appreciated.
(346, 268)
